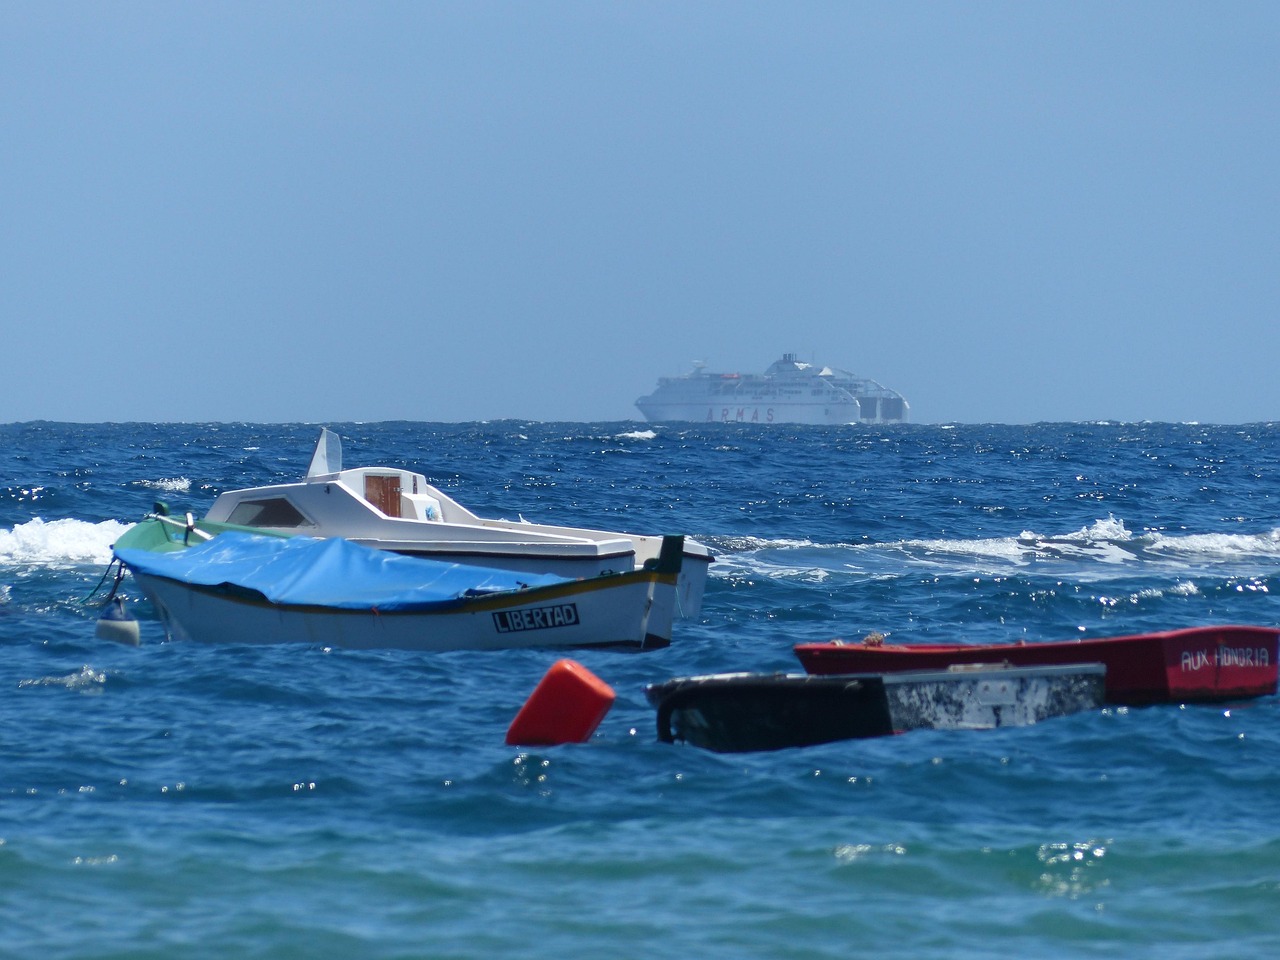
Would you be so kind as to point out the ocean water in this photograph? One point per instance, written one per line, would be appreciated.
(235, 801)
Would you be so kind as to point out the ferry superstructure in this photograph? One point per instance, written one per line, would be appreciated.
(790, 391)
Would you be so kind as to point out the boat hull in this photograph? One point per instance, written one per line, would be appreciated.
(732, 713)
(616, 611)
(1198, 664)
(223, 584)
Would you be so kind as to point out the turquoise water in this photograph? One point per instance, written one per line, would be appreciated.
(185, 800)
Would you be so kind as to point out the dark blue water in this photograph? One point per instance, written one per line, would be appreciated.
(185, 800)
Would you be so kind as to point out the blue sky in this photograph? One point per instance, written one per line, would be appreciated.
(1010, 212)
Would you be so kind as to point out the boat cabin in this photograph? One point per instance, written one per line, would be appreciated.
(396, 494)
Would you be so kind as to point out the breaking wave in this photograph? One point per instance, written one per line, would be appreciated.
(60, 543)
(85, 680)
(167, 484)
(1105, 546)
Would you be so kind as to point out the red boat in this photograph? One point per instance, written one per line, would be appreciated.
(1197, 664)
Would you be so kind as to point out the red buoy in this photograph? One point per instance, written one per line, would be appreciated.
(565, 707)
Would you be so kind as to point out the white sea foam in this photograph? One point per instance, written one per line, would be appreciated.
(1221, 546)
(84, 680)
(1109, 542)
(1105, 543)
(751, 544)
(783, 559)
(58, 543)
(992, 548)
(636, 435)
(1101, 541)
(1110, 530)
(168, 484)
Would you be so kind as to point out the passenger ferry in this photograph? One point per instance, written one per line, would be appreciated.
(790, 391)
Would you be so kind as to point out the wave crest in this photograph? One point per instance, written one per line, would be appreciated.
(60, 542)
(1106, 543)
(167, 484)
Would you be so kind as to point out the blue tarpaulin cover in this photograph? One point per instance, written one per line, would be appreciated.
(327, 573)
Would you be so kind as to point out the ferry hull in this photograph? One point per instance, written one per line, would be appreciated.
(766, 413)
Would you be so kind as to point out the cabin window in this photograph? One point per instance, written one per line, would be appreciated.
(275, 512)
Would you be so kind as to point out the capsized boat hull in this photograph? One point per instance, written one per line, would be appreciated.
(738, 712)
(1196, 664)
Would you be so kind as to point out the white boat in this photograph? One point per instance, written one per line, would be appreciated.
(216, 584)
(790, 391)
(398, 510)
